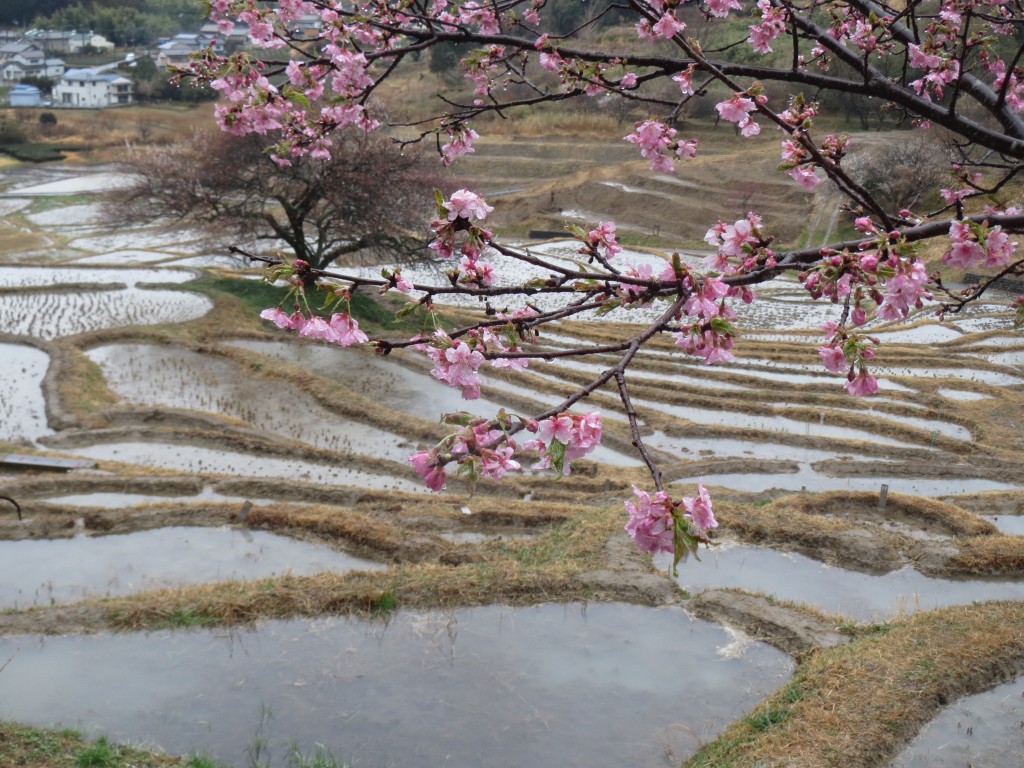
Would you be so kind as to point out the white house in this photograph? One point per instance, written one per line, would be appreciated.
(19, 60)
(92, 89)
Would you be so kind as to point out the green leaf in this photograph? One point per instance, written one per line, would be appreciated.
(557, 453)
(458, 418)
(297, 96)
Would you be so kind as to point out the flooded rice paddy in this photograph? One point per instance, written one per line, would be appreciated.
(552, 685)
(67, 570)
(859, 596)
(170, 377)
(22, 405)
(198, 459)
(985, 730)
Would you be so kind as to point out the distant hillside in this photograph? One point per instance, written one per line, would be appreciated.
(125, 22)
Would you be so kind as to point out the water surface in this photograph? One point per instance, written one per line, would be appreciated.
(488, 687)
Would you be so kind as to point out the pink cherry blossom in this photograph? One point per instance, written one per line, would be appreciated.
(721, 8)
(699, 509)
(668, 26)
(805, 175)
(834, 358)
(736, 109)
(346, 330)
(467, 205)
(862, 384)
(603, 236)
(651, 523)
(425, 465)
(318, 328)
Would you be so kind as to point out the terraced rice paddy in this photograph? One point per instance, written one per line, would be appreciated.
(512, 615)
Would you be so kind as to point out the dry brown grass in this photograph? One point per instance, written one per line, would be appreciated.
(991, 555)
(929, 513)
(855, 706)
(103, 134)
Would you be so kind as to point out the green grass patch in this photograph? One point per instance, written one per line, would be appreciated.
(383, 604)
(189, 617)
(22, 745)
(51, 202)
(374, 316)
(38, 152)
(98, 755)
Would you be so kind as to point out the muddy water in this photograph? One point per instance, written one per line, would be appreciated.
(860, 596)
(985, 730)
(172, 377)
(22, 406)
(64, 570)
(487, 687)
(197, 459)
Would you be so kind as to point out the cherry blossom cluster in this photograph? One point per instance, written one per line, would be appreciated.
(599, 242)
(455, 224)
(658, 524)
(341, 328)
(658, 143)
(848, 353)
(743, 241)
(564, 438)
(975, 244)
(486, 447)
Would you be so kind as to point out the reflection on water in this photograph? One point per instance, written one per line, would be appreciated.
(39, 572)
(982, 731)
(861, 596)
(552, 685)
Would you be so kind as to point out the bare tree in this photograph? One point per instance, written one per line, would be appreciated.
(369, 197)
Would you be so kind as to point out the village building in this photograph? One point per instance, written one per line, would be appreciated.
(87, 88)
(21, 59)
(23, 95)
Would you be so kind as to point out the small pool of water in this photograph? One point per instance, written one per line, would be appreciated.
(486, 687)
(860, 596)
(960, 394)
(41, 572)
(1011, 524)
(985, 730)
(88, 182)
(692, 448)
(926, 333)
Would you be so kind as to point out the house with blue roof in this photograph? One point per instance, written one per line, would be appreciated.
(92, 89)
